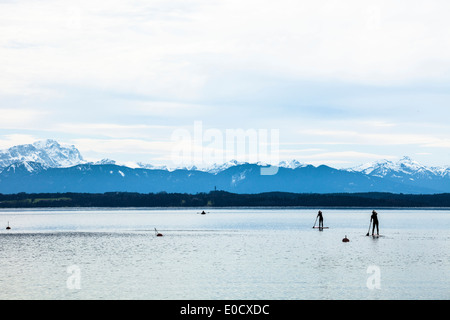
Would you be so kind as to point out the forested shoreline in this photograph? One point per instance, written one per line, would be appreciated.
(223, 199)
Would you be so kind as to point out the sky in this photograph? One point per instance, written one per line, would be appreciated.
(325, 82)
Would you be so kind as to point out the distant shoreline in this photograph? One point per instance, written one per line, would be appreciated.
(199, 209)
(226, 200)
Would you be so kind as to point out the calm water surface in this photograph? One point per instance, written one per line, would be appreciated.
(225, 254)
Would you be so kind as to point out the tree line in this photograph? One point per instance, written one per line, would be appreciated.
(223, 199)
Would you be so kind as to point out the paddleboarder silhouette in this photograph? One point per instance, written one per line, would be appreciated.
(374, 219)
(320, 219)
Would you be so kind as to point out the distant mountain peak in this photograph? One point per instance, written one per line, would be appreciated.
(47, 166)
(105, 161)
(216, 168)
(292, 164)
(404, 166)
(48, 153)
(48, 143)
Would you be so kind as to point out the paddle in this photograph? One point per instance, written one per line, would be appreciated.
(315, 222)
(368, 231)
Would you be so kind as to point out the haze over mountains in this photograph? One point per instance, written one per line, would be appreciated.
(46, 166)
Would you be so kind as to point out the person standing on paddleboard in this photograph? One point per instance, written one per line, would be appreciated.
(320, 219)
(374, 219)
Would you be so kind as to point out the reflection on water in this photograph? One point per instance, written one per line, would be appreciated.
(225, 254)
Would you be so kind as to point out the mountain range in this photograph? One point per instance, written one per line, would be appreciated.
(48, 167)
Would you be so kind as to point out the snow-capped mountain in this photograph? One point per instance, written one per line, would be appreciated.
(442, 171)
(216, 168)
(408, 172)
(105, 161)
(292, 164)
(46, 166)
(219, 167)
(149, 166)
(403, 168)
(47, 153)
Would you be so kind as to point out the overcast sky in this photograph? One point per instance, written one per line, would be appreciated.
(343, 82)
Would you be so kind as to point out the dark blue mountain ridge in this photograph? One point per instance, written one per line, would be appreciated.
(48, 167)
(243, 178)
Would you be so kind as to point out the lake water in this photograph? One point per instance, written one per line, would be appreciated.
(231, 254)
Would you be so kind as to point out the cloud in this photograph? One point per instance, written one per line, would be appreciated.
(437, 143)
(18, 118)
(360, 74)
(173, 48)
(10, 140)
(120, 149)
(344, 137)
(172, 109)
(111, 130)
(347, 154)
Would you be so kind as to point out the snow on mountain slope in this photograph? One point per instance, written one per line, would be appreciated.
(442, 171)
(46, 166)
(404, 167)
(48, 153)
(292, 164)
(25, 166)
(216, 168)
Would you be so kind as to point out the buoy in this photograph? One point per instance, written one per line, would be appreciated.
(8, 227)
(158, 234)
(345, 239)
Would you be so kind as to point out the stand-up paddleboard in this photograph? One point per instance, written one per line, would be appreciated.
(375, 236)
(321, 227)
